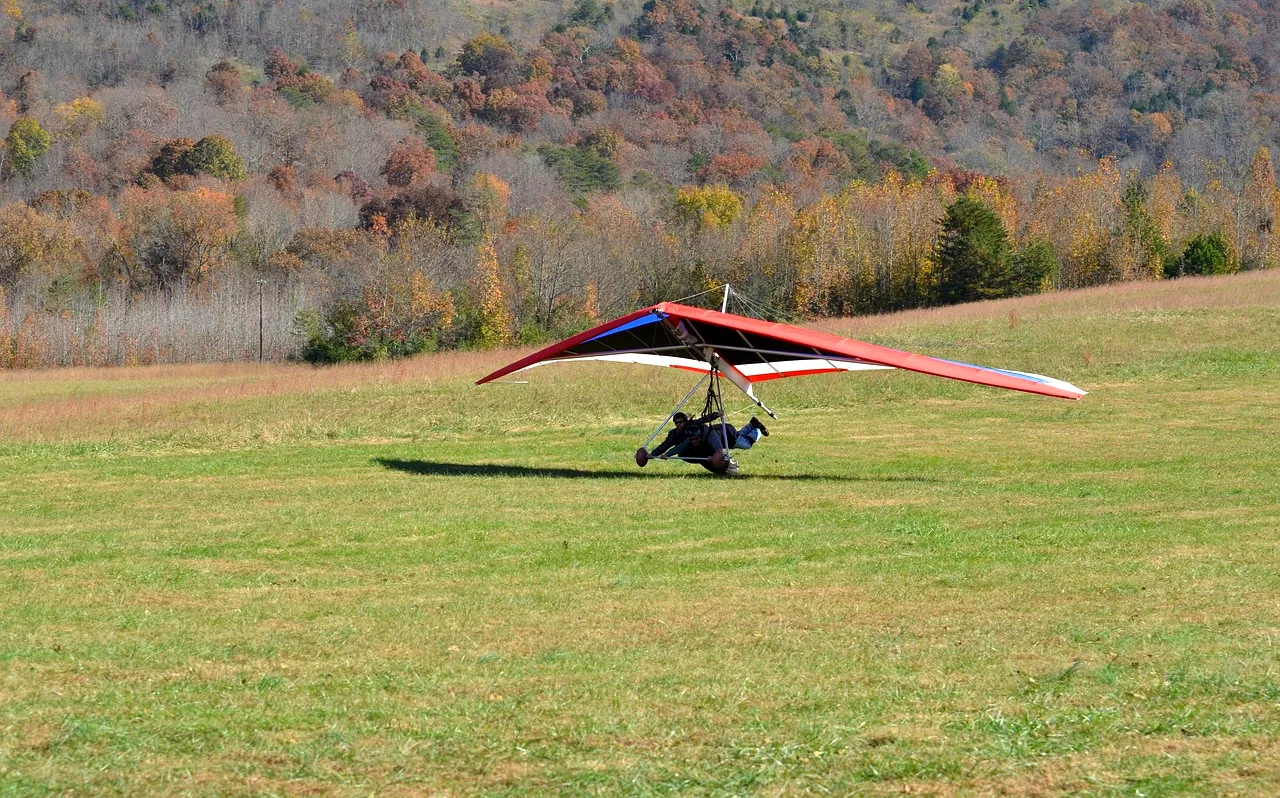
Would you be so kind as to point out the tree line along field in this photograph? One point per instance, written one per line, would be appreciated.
(379, 578)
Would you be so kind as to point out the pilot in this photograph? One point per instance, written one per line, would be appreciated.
(699, 438)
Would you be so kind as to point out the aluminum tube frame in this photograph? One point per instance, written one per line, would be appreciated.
(676, 409)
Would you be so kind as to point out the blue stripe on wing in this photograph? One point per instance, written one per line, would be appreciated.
(631, 325)
(1019, 374)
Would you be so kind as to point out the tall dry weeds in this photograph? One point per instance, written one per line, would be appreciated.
(117, 329)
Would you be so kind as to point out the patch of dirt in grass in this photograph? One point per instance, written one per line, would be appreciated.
(932, 789)
(860, 500)
(1055, 777)
(173, 599)
(1256, 762)
(261, 785)
(212, 780)
(282, 625)
(1216, 512)
(759, 552)
(37, 736)
(1201, 553)
(683, 544)
(508, 773)
(413, 791)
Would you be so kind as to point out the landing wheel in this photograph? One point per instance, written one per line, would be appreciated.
(720, 464)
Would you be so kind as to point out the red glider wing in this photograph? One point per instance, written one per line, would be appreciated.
(680, 336)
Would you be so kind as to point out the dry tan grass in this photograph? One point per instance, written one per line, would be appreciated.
(434, 366)
(76, 399)
(1248, 290)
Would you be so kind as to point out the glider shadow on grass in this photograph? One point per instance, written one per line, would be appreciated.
(435, 469)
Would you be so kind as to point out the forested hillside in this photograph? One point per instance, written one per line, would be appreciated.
(387, 177)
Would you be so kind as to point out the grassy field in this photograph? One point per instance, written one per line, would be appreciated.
(385, 580)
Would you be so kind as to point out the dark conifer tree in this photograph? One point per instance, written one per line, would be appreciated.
(973, 254)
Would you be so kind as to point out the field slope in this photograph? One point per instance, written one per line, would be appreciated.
(382, 579)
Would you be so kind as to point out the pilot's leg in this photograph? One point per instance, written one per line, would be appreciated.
(730, 433)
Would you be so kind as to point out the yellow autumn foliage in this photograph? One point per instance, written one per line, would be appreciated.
(708, 207)
(79, 117)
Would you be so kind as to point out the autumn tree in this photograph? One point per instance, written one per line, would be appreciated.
(410, 162)
(731, 167)
(32, 241)
(353, 186)
(174, 237)
(26, 142)
(487, 198)
(216, 157)
(519, 108)
(548, 277)
(767, 262)
(223, 82)
(601, 140)
(885, 237)
(707, 207)
(490, 57)
(1256, 213)
(79, 117)
(212, 155)
(171, 160)
(438, 203)
(1146, 247)
(492, 321)
(280, 64)
(1079, 215)
(397, 311)
(30, 89)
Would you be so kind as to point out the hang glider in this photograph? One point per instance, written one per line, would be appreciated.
(746, 351)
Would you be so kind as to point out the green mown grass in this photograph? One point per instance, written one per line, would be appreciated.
(275, 580)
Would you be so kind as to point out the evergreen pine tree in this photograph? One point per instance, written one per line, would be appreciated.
(1139, 227)
(973, 254)
(1205, 254)
(1034, 269)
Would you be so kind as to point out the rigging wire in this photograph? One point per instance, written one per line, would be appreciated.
(765, 310)
(701, 293)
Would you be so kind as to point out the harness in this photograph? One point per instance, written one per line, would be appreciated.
(713, 403)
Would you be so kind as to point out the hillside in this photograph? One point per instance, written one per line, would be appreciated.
(998, 87)
(405, 176)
